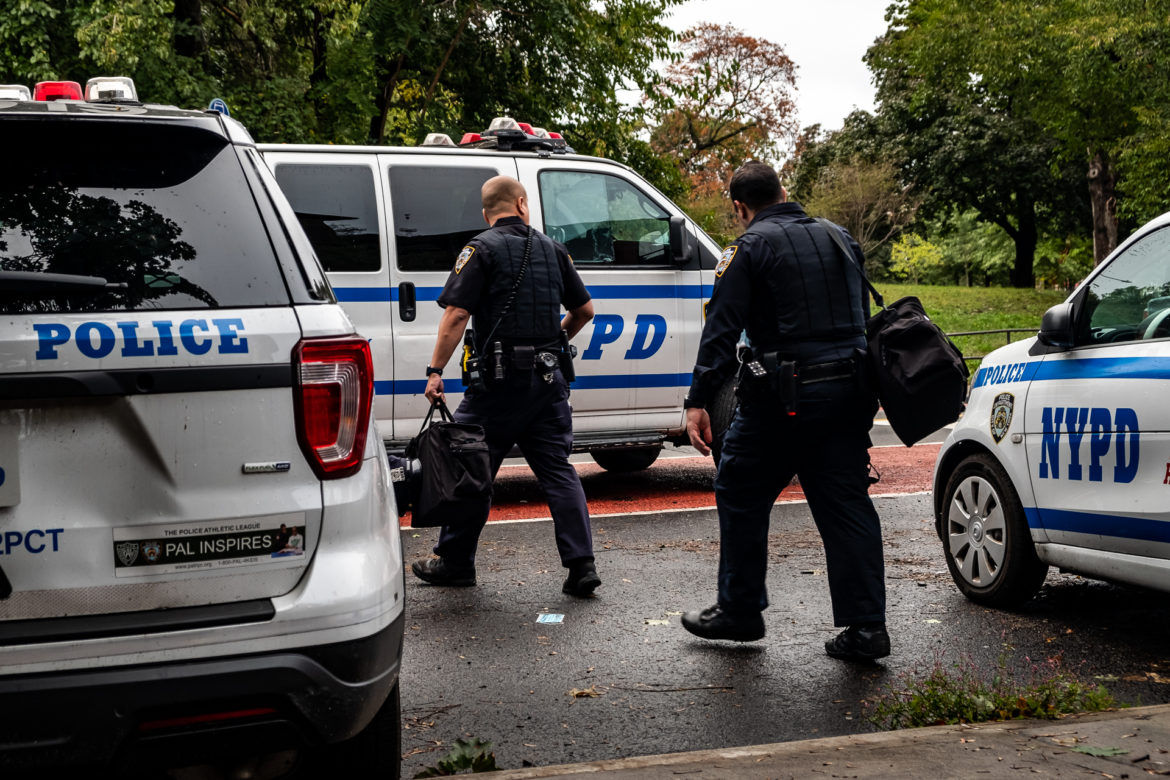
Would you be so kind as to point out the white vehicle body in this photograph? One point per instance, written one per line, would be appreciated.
(1078, 420)
(155, 438)
(408, 212)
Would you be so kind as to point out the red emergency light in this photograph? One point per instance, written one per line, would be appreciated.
(57, 90)
(470, 138)
(526, 127)
(556, 136)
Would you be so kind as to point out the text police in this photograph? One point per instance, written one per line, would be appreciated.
(160, 337)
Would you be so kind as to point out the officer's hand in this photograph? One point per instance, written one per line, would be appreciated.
(699, 430)
(434, 389)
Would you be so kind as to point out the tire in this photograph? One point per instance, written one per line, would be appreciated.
(374, 753)
(988, 546)
(626, 459)
(721, 410)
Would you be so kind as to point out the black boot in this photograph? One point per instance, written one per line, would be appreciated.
(868, 642)
(714, 623)
(582, 579)
(435, 571)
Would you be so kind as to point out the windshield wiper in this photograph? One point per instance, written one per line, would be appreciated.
(22, 282)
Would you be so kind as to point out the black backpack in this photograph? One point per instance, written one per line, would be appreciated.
(918, 373)
(455, 486)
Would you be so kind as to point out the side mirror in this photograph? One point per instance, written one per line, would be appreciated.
(680, 241)
(1056, 329)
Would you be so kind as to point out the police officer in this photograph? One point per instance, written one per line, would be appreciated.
(803, 410)
(529, 405)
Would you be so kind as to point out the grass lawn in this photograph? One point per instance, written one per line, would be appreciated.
(978, 308)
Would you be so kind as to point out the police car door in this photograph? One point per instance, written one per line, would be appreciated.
(634, 360)
(1097, 419)
(338, 200)
(435, 209)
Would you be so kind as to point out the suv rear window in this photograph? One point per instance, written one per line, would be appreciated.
(163, 213)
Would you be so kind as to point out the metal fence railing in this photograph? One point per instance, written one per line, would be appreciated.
(1007, 337)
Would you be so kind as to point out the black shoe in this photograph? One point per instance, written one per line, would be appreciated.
(435, 571)
(714, 623)
(860, 643)
(582, 579)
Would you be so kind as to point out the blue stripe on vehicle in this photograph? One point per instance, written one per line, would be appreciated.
(1105, 368)
(1141, 528)
(1084, 368)
(600, 382)
(598, 291)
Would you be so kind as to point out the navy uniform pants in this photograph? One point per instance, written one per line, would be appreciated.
(528, 412)
(827, 444)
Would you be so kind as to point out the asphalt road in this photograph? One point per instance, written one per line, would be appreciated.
(477, 663)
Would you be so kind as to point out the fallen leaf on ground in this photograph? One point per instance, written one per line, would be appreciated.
(582, 693)
(1100, 752)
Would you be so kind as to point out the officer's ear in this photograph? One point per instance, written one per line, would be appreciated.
(485, 217)
(522, 208)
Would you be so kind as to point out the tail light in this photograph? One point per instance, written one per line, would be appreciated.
(333, 392)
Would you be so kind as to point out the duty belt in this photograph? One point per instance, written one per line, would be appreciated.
(826, 372)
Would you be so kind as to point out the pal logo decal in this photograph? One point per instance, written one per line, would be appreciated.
(725, 259)
(464, 256)
(1001, 415)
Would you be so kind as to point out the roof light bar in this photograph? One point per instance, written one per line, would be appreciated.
(438, 139)
(57, 90)
(119, 88)
(14, 92)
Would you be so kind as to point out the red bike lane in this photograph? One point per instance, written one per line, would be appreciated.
(677, 483)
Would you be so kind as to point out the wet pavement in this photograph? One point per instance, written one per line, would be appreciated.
(619, 677)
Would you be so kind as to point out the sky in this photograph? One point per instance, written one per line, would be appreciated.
(825, 38)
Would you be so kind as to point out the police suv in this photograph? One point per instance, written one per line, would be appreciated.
(388, 224)
(199, 552)
(1063, 455)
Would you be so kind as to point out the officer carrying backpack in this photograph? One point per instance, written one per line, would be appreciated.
(918, 373)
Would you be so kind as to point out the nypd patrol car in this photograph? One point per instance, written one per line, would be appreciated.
(1063, 455)
(199, 554)
(389, 223)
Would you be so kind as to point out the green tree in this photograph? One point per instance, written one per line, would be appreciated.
(963, 140)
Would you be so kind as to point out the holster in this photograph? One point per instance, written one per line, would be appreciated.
(566, 354)
(777, 382)
(523, 359)
(472, 365)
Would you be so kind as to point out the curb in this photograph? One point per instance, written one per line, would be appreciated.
(1047, 747)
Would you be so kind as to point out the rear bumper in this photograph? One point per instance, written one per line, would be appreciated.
(190, 711)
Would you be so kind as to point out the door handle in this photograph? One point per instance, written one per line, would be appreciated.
(407, 308)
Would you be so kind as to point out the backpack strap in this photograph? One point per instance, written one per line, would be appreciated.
(835, 234)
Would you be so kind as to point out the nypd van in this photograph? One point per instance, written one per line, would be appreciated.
(1063, 455)
(199, 553)
(388, 224)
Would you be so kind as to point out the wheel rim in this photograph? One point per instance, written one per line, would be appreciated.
(976, 531)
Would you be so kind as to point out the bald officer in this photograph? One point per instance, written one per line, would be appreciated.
(529, 406)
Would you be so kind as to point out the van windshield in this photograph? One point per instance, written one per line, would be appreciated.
(112, 216)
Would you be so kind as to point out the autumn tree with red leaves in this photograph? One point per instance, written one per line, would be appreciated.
(728, 99)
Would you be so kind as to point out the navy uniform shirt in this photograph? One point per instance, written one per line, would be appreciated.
(468, 282)
(745, 298)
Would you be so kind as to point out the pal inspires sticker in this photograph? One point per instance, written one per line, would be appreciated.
(464, 256)
(725, 259)
(1001, 415)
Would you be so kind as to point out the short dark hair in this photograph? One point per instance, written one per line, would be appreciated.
(755, 185)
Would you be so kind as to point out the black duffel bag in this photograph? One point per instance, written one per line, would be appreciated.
(455, 485)
(918, 373)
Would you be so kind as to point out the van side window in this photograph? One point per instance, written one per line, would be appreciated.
(1130, 299)
(603, 219)
(437, 210)
(336, 206)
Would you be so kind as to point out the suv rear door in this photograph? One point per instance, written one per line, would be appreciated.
(146, 409)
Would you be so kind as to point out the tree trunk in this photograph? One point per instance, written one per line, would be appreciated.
(388, 80)
(1025, 239)
(1102, 180)
(190, 40)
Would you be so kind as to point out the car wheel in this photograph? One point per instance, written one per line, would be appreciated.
(721, 410)
(375, 752)
(986, 540)
(626, 459)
